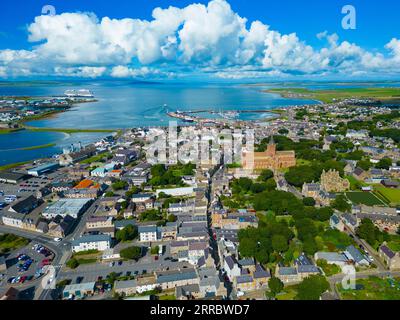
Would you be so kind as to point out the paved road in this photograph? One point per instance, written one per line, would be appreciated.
(336, 279)
(41, 239)
(371, 251)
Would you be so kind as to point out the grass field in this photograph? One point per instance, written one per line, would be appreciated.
(42, 146)
(288, 293)
(373, 288)
(366, 198)
(329, 96)
(354, 183)
(12, 165)
(391, 195)
(9, 242)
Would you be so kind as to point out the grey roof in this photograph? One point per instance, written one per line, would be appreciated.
(246, 262)
(386, 250)
(171, 276)
(230, 261)
(186, 290)
(147, 229)
(335, 219)
(125, 284)
(244, 279)
(2, 260)
(302, 260)
(91, 238)
(358, 171)
(86, 286)
(353, 253)
(350, 219)
(142, 195)
(287, 271)
(6, 175)
(260, 272)
(25, 205)
(332, 256)
(123, 223)
(307, 269)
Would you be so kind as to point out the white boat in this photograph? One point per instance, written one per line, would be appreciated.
(81, 93)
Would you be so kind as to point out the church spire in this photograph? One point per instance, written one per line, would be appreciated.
(272, 141)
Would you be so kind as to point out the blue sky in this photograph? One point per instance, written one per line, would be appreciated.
(230, 51)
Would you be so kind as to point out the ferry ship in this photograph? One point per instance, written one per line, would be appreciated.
(81, 93)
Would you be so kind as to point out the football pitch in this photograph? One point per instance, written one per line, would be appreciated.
(366, 198)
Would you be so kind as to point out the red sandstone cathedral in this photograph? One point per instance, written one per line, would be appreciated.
(269, 159)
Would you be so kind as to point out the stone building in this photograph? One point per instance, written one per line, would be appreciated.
(269, 159)
(332, 182)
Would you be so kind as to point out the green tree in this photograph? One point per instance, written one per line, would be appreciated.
(127, 234)
(384, 163)
(265, 175)
(367, 231)
(275, 286)
(131, 253)
(297, 176)
(132, 191)
(312, 288)
(309, 202)
(310, 246)
(111, 278)
(154, 250)
(341, 204)
(119, 185)
(158, 170)
(172, 218)
(279, 243)
(364, 164)
(109, 194)
(72, 263)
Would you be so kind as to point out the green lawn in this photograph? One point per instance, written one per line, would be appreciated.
(334, 240)
(367, 198)
(392, 195)
(373, 288)
(354, 183)
(42, 146)
(96, 158)
(12, 165)
(329, 96)
(9, 242)
(302, 162)
(288, 293)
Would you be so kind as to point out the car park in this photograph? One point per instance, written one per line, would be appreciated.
(10, 280)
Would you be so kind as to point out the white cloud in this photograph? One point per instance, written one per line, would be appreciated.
(197, 38)
(83, 72)
(126, 72)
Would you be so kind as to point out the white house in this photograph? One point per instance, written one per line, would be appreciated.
(148, 233)
(141, 197)
(100, 242)
(231, 267)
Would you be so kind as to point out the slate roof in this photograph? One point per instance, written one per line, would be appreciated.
(287, 271)
(244, 279)
(386, 250)
(353, 253)
(176, 275)
(91, 238)
(260, 272)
